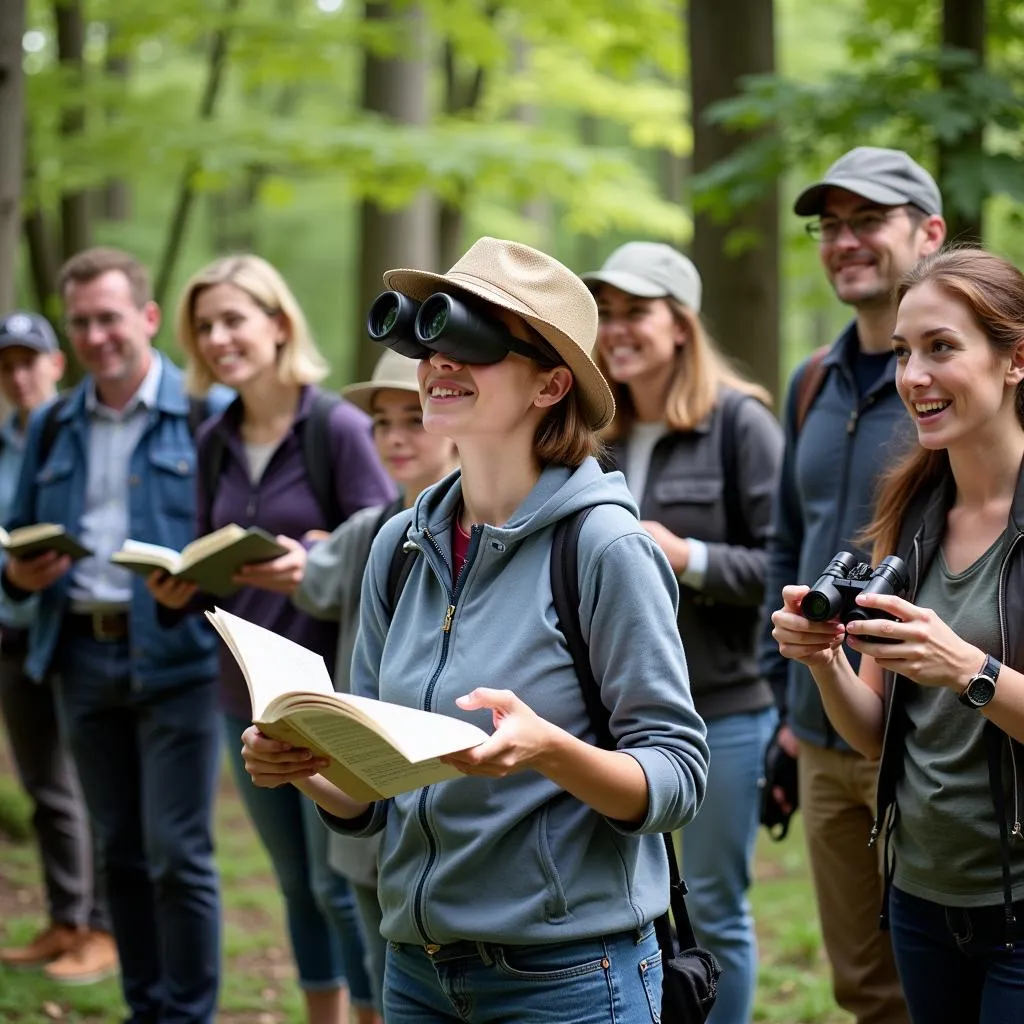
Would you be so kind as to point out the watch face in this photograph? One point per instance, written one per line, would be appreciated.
(981, 691)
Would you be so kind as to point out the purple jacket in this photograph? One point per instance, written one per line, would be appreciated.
(283, 502)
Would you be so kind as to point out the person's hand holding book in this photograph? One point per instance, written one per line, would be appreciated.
(271, 763)
(38, 572)
(282, 575)
(168, 591)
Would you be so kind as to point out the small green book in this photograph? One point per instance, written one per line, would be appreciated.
(27, 541)
(210, 561)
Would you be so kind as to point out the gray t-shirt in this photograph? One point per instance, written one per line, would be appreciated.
(946, 840)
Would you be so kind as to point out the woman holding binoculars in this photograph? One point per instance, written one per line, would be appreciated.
(940, 693)
(525, 888)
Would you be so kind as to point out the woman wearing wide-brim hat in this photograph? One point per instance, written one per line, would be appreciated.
(525, 889)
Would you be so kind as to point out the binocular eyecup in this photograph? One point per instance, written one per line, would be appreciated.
(445, 324)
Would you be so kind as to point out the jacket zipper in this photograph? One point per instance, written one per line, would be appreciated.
(421, 805)
(1003, 573)
(876, 824)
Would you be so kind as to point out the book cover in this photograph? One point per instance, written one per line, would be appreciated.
(26, 541)
(377, 749)
(209, 561)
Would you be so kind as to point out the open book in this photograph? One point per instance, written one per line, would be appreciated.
(26, 541)
(377, 749)
(209, 561)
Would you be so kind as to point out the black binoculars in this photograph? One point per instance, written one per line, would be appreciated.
(834, 595)
(445, 324)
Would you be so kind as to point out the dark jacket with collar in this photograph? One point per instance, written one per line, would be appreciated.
(920, 538)
(686, 492)
(825, 498)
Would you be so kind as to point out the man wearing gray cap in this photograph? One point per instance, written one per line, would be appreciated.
(75, 946)
(875, 214)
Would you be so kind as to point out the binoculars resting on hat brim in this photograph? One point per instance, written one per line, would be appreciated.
(445, 324)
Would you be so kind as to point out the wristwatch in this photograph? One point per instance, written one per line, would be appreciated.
(982, 687)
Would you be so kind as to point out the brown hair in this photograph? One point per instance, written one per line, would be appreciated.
(564, 438)
(87, 265)
(992, 289)
(700, 373)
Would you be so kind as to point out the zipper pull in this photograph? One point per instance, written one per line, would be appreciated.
(446, 626)
(1017, 831)
(851, 423)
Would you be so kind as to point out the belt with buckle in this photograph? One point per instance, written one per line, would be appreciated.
(104, 626)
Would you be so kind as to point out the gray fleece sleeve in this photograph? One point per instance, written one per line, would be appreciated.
(628, 603)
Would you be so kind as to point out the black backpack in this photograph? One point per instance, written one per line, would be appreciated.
(690, 983)
(316, 452)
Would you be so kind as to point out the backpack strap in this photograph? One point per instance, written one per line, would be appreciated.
(565, 590)
(401, 558)
(316, 450)
(809, 386)
(737, 531)
(51, 428)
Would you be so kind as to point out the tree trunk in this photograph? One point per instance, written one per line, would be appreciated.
(728, 40)
(75, 219)
(115, 196)
(12, 131)
(396, 87)
(186, 191)
(963, 28)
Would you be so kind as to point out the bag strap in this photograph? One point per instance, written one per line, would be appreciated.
(737, 531)
(316, 451)
(51, 428)
(565, 590)
(401, 558)
(809, 385)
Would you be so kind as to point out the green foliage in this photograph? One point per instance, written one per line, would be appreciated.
(942, 96)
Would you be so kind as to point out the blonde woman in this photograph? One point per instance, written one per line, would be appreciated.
(700, 451)
(240, 325)
(524, 889)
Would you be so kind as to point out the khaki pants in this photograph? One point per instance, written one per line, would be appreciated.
(837, 800)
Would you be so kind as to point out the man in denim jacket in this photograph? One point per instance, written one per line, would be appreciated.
(116, 460)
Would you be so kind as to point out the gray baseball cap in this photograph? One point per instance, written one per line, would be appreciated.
(650, 270)
(886, 176)
(27, 330)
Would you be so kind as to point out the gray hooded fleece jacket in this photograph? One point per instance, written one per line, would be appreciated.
(518, 860)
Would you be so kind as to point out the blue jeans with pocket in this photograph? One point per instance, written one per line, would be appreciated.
(322, 921)
(953, 961)
(718, 849)
(614, 979)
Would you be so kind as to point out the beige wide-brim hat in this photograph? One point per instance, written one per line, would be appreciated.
(535, 286)
(393, 371)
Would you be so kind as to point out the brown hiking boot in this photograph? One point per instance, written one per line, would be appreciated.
(52, 942)
(92, 959)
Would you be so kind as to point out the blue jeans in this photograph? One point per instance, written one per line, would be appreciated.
(953, 962)
(718, 849)
(148, 766)
(368, 908)
(322, 920)
(614, 979)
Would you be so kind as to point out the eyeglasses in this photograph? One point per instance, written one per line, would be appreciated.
(104, 321)
(862, 225)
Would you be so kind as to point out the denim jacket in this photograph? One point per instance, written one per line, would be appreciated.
(162, 511)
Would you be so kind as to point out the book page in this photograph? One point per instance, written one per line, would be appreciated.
(39, 531)
(210, 542)
(272, 664)
(368, 755)
(140, 550)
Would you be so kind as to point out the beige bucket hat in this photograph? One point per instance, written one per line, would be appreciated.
(393, 371)
(535, 286)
